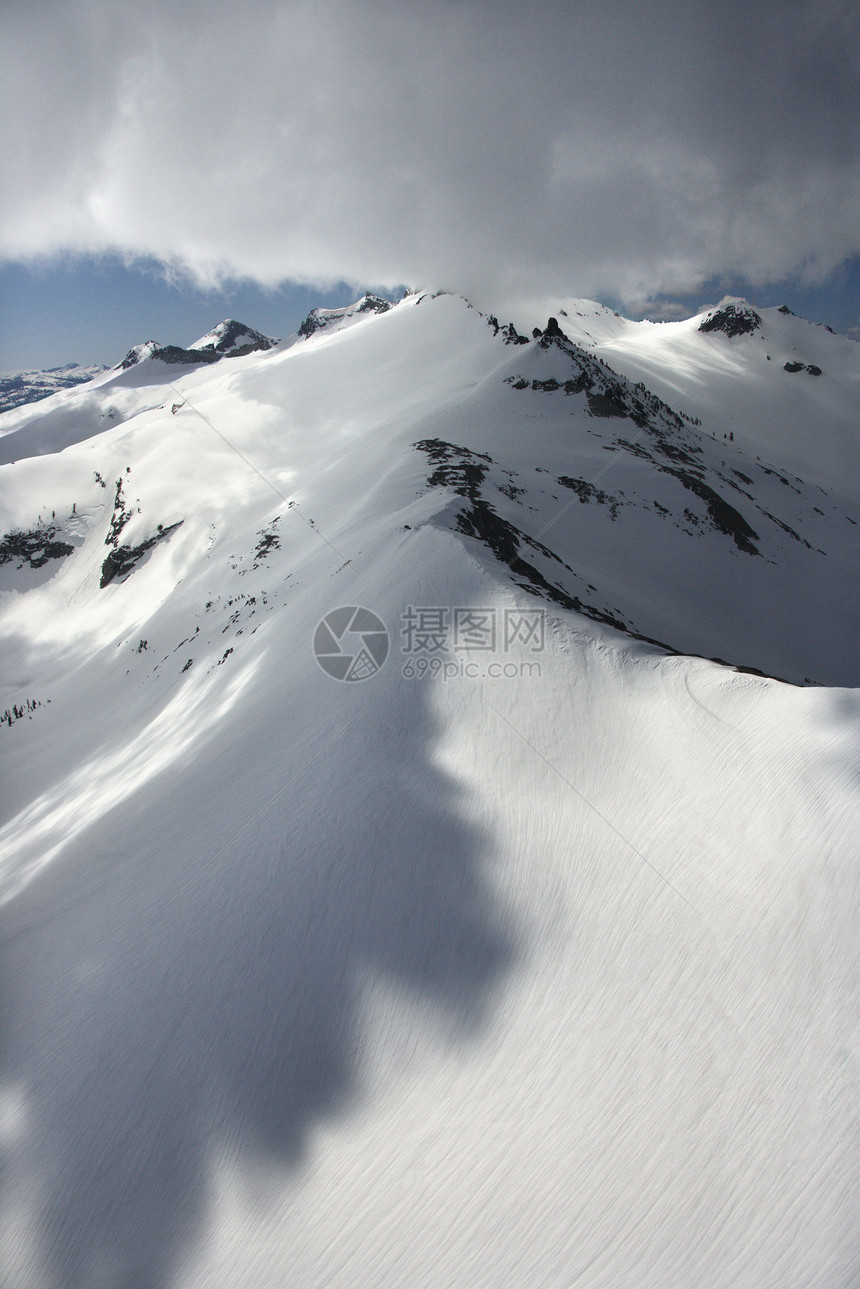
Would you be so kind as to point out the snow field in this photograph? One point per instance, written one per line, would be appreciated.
(476, 982)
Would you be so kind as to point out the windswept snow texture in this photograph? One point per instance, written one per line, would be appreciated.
(528, 960)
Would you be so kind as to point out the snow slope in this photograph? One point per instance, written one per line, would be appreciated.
(739, 384)
(531, 964)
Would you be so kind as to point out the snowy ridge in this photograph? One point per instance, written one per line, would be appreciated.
(756, 385)
(528, 960)
(152, 351)
(229, 339)
(337, 319)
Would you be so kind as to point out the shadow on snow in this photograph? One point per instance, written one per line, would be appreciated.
(183, 1007)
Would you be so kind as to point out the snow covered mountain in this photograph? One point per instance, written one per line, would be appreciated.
(20, 387)
(781, 385)
(234, 339)
(430, 806)
(337, 319)
(230, 339)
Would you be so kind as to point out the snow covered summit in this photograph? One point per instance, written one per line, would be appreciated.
(229, 339)
(733, 319)
(430, 809)
(234, 339)
(337, 319)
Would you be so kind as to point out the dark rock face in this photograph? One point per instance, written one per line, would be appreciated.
(724, 517)
(512, 336)
(175, 354)
(509, 333)
(318, 319)
(222, 346)
(312, 323)
(229, 332)
(465, 472)
(35, 547)
(733, 320)
(809, 367)
(171, 354)
(668, 446)
(607, 393)
(605, 405)
(121, 560)
(133, 357)
(374, 304)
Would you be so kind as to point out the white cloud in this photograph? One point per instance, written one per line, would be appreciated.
(496, 148)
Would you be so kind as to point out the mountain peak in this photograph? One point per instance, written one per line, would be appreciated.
(325, 319)
(233, 338)
(307, 863)
(733, 317)
(229, 339)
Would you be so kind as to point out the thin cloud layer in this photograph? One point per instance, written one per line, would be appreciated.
(498, 149)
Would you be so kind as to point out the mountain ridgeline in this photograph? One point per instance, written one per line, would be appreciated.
(677, 523)
(430, 806)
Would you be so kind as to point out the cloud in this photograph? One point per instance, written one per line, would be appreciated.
(663, 310)
(499, 149)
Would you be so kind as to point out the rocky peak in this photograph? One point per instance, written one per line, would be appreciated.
(167, 354)
(319, 319)
(733, 320)
(231, 339)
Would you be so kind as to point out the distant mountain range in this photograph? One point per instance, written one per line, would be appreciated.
(22, 387)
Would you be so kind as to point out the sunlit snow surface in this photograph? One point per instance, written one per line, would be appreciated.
(479, 981)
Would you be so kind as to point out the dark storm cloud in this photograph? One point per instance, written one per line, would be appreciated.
(586, 148)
